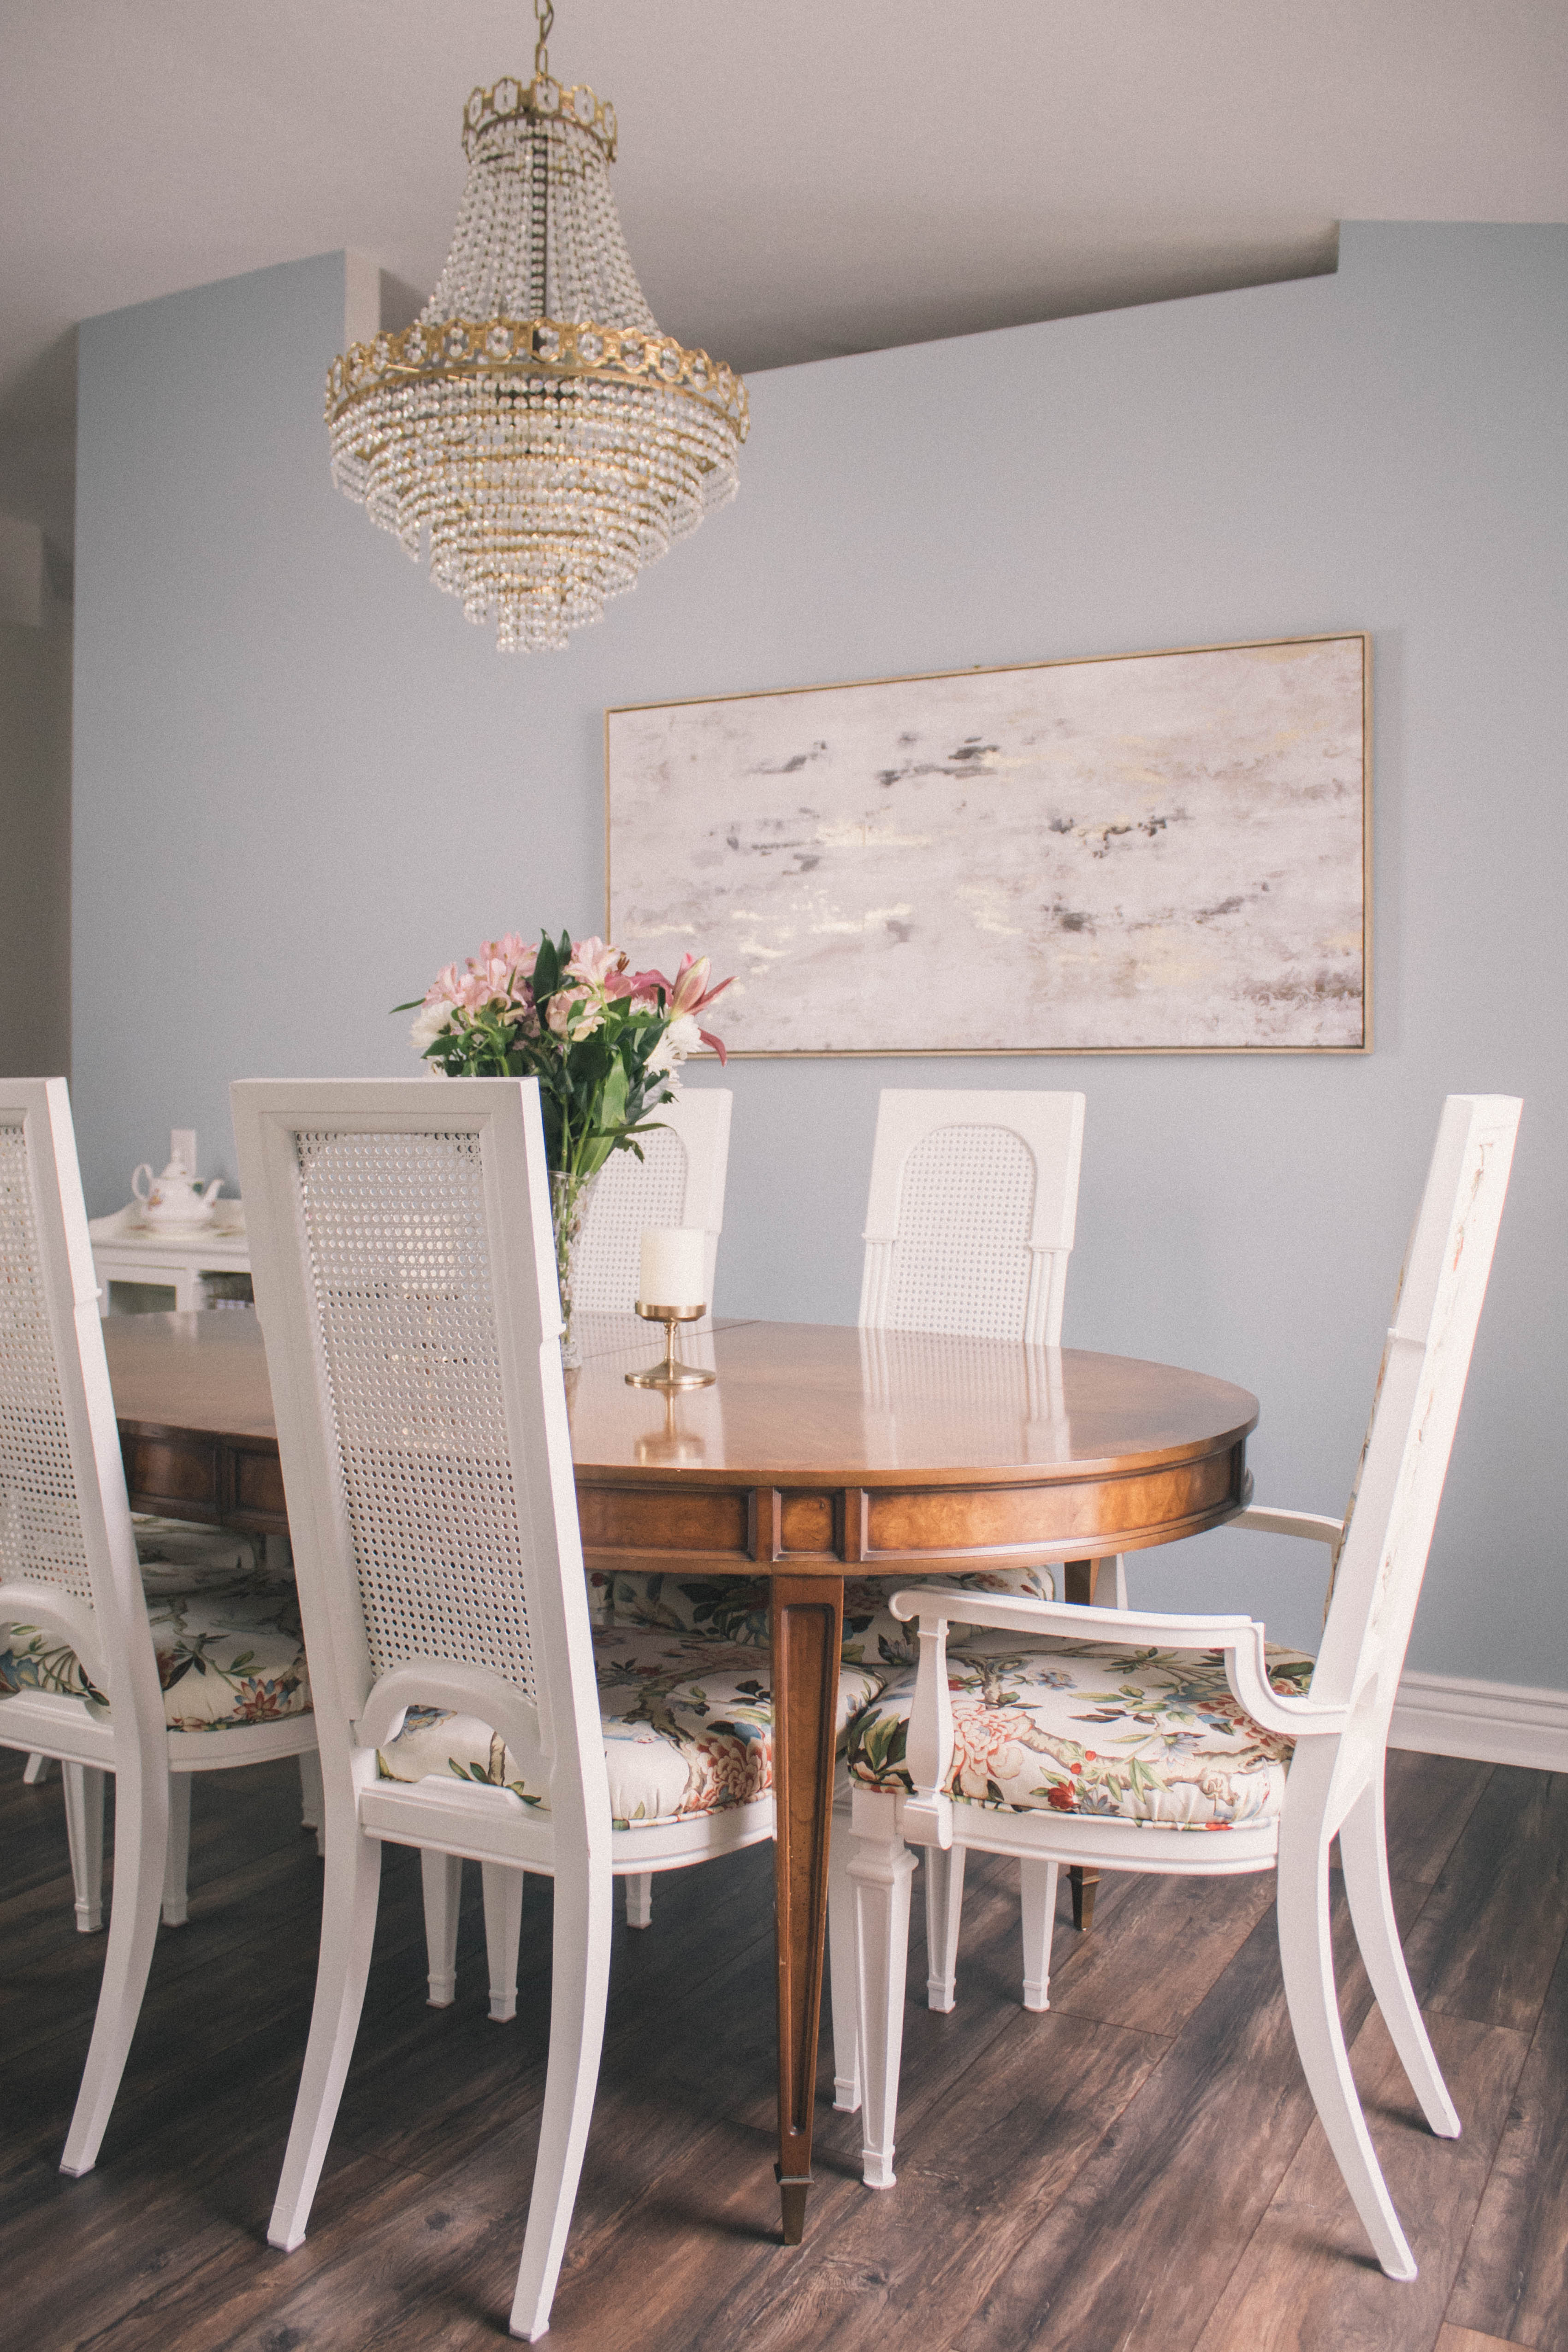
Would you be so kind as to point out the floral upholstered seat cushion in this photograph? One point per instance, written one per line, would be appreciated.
(733, 1607)
(178, 1556)
(688, 1726)
(229, 1654)
(873, 1636)
(1098, 1727)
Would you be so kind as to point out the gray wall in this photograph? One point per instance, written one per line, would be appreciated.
(303, 782)
(35, 845)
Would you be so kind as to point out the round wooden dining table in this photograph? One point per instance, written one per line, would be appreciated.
(819, 1450)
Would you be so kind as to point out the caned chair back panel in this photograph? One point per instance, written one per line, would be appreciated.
(394, 1227)
(971, 1214)
(1399, 1483)
(404, 1276)
(65, 1525)
(41, 1535)
(679, 1181)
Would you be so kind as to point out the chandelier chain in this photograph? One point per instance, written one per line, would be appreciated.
(544, 17)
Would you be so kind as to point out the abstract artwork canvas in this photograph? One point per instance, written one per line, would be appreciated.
(1148, 852)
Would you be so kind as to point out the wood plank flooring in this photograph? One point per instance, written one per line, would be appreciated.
(1139, 2170)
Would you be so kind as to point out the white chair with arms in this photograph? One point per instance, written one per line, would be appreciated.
(79, 1678)
(1187, 1724)
(971, 1222)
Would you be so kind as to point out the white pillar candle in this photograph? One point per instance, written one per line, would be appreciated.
(673, 1269)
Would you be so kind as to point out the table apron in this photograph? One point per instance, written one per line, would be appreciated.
(220, 1481)
(892, 1530)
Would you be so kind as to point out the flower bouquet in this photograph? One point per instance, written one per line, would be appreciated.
(605, 1044)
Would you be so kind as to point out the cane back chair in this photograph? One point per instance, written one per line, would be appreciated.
(80, 1678)
(404, 1272)
(971, 1222)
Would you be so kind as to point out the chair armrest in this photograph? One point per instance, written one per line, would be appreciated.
(1240, 1638)
(1311, 1524)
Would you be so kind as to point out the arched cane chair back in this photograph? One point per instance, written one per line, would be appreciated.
(1399, 1483)
(405, 1276)
(67, 1556)
(972, 1208)
(679, 1181)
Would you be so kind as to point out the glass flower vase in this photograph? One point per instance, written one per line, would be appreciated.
(568, 1199)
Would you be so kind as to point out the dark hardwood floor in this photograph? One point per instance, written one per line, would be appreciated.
(1137, 2172)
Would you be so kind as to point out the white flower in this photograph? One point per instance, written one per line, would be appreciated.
(683, 1036)
(428, 1024)
(679, 1040)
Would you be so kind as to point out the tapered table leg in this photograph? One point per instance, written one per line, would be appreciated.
(1078, 1584)
(807, 1614)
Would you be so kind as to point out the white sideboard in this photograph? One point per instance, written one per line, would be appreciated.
(141, 1271)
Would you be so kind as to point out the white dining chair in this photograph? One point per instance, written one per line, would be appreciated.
(970, 1220)
(81, 1680)
(678, 1181)
(1116, 1750)
(404, 1274)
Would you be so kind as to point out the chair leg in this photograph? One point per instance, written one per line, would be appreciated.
(579, 1980)
(1037, 1883)
(311, 1813)
(881, 1870)
(84, 1834)
(140, 1833)
(944, 1912)
(1306, 1954)
(1118, 1568)
(36, 1771)
(1363, 1856)
(841, 1966)
(348, 1932)
(503, 1932)
(640, 1899)
(177, 1855)
(443, 1877)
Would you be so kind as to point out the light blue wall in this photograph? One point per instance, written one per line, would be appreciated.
(302, 781)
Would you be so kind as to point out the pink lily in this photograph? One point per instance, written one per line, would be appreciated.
(687, 993)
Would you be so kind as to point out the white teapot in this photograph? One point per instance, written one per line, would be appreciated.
(175, 1198)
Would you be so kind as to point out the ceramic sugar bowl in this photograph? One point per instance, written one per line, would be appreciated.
(174, 1198)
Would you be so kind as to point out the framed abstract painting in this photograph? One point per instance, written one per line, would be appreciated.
(1142, 852)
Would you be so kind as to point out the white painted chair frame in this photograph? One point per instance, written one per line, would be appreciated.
(1335, 1784)
(679, 1181)
(553, 1731)
(1022, 1301)
(106, 1624)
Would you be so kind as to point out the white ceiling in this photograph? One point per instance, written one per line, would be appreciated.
(795, 181)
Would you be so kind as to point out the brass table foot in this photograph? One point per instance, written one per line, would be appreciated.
(1084, 1885)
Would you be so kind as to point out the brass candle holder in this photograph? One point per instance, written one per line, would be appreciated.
(670, 1374)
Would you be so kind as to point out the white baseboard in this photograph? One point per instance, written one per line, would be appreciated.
(1495, 1723)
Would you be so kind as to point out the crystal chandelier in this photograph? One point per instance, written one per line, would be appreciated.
(534, 420)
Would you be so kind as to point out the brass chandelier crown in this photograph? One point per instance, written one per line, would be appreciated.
(533, 427)
(547, 101)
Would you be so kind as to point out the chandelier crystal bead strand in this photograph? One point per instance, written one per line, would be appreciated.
(533, 420)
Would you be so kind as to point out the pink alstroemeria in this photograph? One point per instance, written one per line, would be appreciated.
(687, 993)
(446, 988)
(603, 967)
(575, 1012)
(515, 954)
